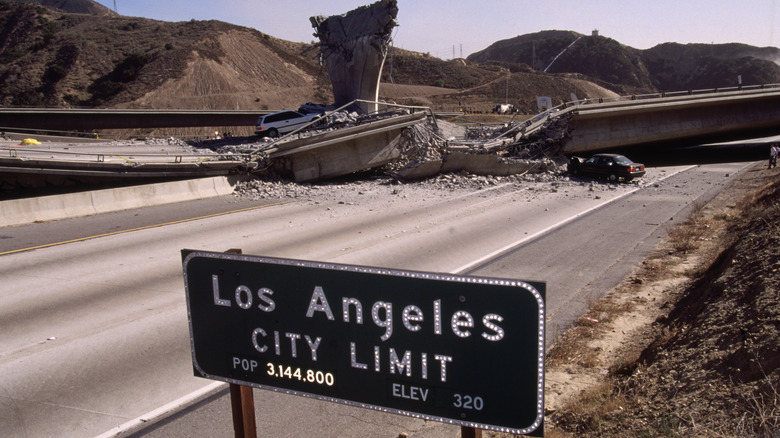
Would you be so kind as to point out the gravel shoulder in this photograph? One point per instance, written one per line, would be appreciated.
(688, 345)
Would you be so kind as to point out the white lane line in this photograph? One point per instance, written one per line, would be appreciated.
(163, 411)
(512, 245)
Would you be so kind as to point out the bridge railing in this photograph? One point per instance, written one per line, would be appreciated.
(665, 94)
(268, 146)
(537, 121)
(130, 158)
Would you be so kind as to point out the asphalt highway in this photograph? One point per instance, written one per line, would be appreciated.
(94, 328)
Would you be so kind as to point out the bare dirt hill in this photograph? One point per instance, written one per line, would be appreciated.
(51, 58)
(99, 59)
(248, 73)
(60, 59)
(665, 67)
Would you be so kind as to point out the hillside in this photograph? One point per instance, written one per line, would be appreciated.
(77, 53)
(418, 79)
(675, 66)
(59, 59)
(666, 67)
(72, 6)
(595, 57)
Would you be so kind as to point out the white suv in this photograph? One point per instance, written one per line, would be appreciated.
(282, 122)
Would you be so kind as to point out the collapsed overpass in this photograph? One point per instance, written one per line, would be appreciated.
(638, 123)
(683, 119)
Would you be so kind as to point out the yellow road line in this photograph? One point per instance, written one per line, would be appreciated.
(113, 233)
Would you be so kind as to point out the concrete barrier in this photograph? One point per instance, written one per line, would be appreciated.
(50, 208)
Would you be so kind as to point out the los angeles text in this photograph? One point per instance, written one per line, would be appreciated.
(386, 315)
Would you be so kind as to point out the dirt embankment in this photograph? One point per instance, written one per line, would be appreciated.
(689, 345)
(247, 74)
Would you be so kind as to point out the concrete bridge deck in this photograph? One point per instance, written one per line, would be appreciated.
(681, 120)
(591, 126)
(320, 155)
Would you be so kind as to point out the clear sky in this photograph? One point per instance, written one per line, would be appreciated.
(440, 27)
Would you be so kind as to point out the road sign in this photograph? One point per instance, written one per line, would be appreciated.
(462, 350)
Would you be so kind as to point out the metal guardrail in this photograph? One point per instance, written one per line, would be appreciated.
(534, 123)
(30, 153)
(269, 146)
(669, 94)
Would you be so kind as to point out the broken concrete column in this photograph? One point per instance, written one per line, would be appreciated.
(354, 46)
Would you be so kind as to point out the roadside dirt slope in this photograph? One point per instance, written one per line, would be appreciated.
(689, 345)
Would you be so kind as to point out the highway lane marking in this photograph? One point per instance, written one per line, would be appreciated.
(505, 249)
(553, 312)
(146, 227)
(162, 412)
(144, 420)
(471, 267)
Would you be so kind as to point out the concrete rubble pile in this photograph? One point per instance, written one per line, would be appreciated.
(330, 122)
(419, 144)
(352, 191)
(347, 119)
(511, 138)
(485, 150)
(432, 148)
(425, 145)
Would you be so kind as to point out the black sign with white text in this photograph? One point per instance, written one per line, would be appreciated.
(463, 350)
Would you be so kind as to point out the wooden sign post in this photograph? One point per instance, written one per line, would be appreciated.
(242, 400)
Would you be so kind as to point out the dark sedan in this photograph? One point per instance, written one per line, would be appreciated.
(610, 166)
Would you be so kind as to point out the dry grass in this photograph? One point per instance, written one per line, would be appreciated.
(574, 344)
(687, 236)
(607, 310)
(761, 416)
(571, 346)
(597, 403)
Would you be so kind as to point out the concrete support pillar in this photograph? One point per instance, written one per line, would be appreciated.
(354, 46)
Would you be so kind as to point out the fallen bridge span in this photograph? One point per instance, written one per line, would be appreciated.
(680, 120)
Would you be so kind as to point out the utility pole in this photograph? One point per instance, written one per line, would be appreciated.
(506, 100)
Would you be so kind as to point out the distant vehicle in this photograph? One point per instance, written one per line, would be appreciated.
(505, 108)
(283, 122)
(610, 166)
(309, 108)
